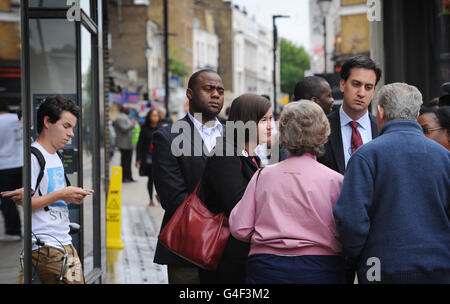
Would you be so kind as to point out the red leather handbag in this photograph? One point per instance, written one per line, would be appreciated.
(195, 233)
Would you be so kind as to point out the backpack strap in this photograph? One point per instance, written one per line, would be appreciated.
(41, 161)
(65, 175)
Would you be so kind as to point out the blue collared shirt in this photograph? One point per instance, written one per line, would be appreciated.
(364, 128)
(208, 135)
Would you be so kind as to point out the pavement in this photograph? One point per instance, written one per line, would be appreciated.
(9, 255)
(140, 227)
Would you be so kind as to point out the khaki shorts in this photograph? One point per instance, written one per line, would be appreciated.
(47, 262)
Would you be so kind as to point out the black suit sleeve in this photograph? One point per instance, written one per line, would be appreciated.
(225, 182)
(167, 174)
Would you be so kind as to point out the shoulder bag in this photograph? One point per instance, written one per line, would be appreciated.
(195, 233)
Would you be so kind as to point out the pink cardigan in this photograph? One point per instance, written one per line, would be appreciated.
(289, 211)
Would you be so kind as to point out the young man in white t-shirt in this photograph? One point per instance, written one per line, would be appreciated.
(56, 119)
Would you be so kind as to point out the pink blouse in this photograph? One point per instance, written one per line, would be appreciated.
(289, 210)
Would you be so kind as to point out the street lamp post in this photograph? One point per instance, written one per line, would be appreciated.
(166, 56)
(275, 44)
(324, 8)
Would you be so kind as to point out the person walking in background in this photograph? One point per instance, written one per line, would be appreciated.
(435, 123)
(177, 167)
(316, 89)
(144, 149)
(395, 201)
(124, 126)
(286, 211)
(226, 177)
(11, 162)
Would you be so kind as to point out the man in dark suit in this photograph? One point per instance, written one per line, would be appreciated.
(352, 125)
(179, 156)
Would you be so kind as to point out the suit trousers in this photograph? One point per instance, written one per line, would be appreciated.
(183, 274)
(125, 161)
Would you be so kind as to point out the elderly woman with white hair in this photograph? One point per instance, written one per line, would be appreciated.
(286, 211)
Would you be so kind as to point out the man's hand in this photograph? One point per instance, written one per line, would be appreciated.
(75, 195)
(15, 195)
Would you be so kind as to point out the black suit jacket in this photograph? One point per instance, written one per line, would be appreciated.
(176, 171)
(334, 149)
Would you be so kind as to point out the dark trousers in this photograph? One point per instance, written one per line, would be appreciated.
(10, 179)
(306, 269)
(150, 182)
(125, 161)
(182, 274)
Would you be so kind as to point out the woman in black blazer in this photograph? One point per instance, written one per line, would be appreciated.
(226, 177)
(144, 149)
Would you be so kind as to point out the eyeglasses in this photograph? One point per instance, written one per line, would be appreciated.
(428, 131)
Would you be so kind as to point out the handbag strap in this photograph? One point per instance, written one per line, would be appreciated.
(197, 188)
(259, 172)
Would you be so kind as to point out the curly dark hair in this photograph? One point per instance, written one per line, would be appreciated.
(52, 107)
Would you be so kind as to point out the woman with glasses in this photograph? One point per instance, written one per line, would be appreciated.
(436, 124)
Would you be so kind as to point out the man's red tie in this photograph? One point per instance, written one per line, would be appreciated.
(356, 137)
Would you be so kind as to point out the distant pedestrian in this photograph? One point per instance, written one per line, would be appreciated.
(286, 211)
(144, 149)
(11, 162)
(226, 176)
(124, 126)
(393, 211)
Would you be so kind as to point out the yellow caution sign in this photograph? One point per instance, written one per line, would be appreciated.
(114, 210)
(284, 100)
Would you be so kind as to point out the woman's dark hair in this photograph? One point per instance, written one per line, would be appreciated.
(248, 107)
(442, 115)
(360, 61)
(425, 109)
(148, 121)
(52, 107)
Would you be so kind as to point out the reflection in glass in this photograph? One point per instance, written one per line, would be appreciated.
(48, 3)
(52, 56)
(84, 4)
(88, 150)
